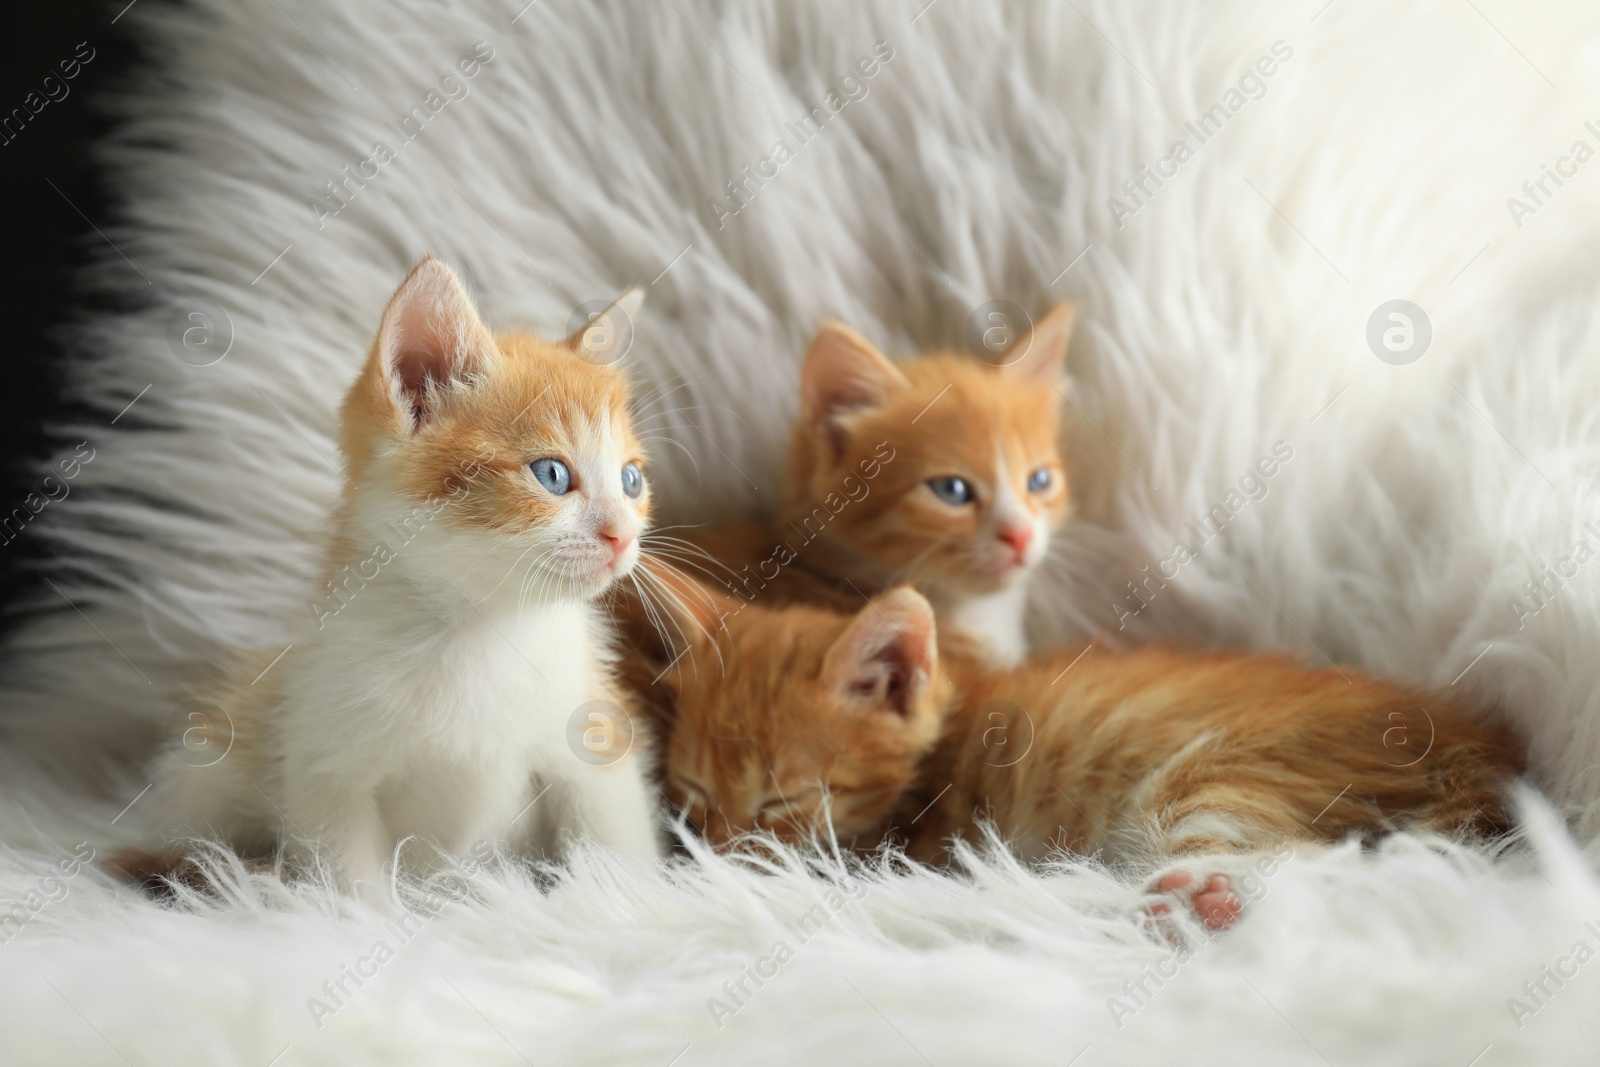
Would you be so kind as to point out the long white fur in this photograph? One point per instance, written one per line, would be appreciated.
(1210, 327)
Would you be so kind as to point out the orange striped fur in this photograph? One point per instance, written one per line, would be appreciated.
(860, 512)
(1155, 752)
(942, 413)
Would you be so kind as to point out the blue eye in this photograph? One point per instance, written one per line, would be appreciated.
(552, 474)
(951, 490)
(632, 479)
(1039, 480)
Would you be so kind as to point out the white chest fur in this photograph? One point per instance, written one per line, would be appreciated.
(462, 680)
(429, 716)
(997, 620)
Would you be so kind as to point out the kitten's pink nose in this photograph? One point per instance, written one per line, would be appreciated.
(617, 541)
(1018, 537)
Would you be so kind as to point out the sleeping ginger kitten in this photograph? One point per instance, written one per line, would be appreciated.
(1137, 756)
(492, 491)
(942, 471)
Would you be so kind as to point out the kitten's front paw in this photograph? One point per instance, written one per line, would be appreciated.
(1213, 900)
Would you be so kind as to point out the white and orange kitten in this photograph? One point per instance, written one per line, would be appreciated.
(493, 491)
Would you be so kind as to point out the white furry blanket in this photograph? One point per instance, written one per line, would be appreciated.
(1432, 523)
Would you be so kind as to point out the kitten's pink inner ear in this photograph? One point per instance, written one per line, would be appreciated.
(431, 339)
(885, 658)
(1040, 355)
(843, 372)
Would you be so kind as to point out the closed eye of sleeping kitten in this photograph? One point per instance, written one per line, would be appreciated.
(787, 717)
(493, 490)
(942, 471)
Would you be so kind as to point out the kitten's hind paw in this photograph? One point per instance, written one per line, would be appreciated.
(1213, 901)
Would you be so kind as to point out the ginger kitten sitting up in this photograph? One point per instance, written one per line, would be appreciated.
(493, 491)
(790, 716)
(941, 470)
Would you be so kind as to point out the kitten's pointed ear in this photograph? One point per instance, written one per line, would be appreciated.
(431, 341)
(887, 656)
(844, 372)
(1040, 355)
(607, 336)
